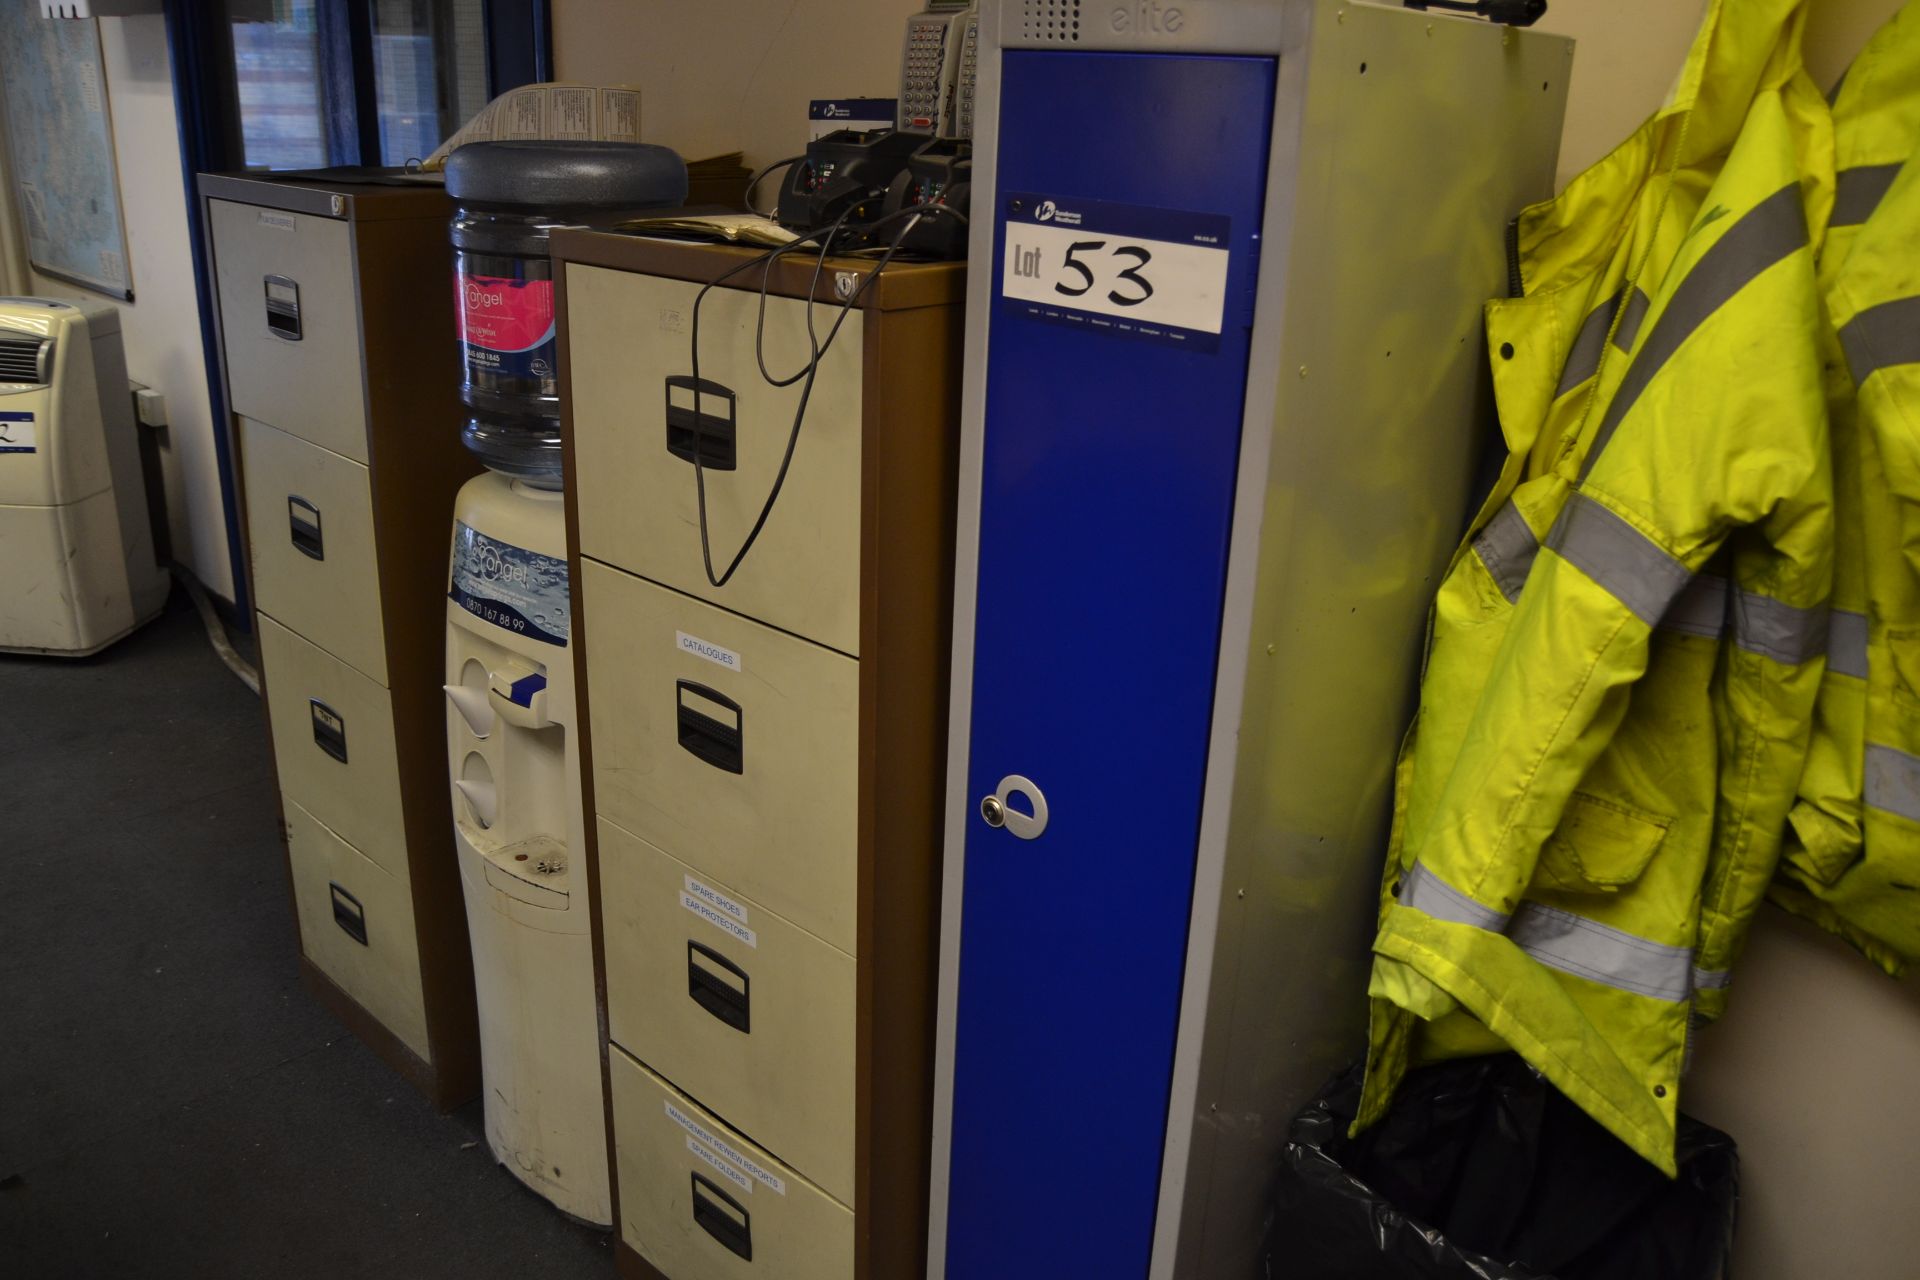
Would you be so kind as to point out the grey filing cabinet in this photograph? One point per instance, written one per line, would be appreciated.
(338, 349)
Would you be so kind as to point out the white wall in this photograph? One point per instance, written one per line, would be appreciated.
(725, 75)
(161, 326)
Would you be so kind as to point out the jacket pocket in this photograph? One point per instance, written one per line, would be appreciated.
(1600, 846)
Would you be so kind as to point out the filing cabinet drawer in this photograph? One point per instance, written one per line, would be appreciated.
(700, 1203)
(290, 322)
(726, 999)
(333, 744)
(310, 522)
(742, 763)
(639, 510)
(356, 924)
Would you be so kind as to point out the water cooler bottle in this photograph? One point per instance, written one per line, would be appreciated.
(511, 710)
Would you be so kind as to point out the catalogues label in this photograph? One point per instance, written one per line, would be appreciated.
(703, 649)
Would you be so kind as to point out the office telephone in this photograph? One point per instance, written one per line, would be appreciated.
(937, 70)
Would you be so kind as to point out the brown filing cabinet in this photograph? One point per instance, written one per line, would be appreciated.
(763, 759)
(338, 348)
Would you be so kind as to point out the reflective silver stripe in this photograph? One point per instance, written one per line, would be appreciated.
(1625, 562)
(1778, 630)
(1507, 547)
(1881, 337)
(1700, 610)
(1712, 979)
(1583, 358)
(1847, 643)
(1858, 192)
(1893, 781)
(1637, 304)
(1424, 891)
(1601, 953)
(1766, 233)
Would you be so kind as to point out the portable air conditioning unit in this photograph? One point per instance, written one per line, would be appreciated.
(77, 567)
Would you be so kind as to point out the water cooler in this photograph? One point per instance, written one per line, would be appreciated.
(511, 712)
(1221, 410)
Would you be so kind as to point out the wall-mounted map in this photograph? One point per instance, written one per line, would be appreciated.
(60, 147)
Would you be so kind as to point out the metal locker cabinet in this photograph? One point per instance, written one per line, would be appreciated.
(342, 377)
(821, 677)
(1220, 415)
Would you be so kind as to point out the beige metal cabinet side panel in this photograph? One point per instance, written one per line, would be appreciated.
(359, 797)
(334, 601)
(311, 386)
(788, 1079)
(639, 509)
(383, 974)
(795, 1231)
(784, 830)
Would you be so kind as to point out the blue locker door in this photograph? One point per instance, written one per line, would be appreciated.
(1110, 456)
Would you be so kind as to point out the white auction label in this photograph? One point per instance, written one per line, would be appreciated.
(17, 433)
(1127, 270)
(719, 1166)
(719, 920)
(714, 898)
(761, 1174)
(711, 652)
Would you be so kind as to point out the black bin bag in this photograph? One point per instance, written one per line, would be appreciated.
(1483, 1170)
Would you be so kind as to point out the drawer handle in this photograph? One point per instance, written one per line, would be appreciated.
(349, 914)
(733, 1229)
(303, 526)
(329, 729)
(712, 992)
(706, 736)
(710, 435)
(283, 307)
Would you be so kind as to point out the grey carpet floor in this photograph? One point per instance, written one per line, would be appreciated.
(172, 1103)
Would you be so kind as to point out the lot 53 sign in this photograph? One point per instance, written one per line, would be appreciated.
(1119, 269)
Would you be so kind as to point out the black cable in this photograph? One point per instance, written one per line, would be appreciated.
(818, 349)
(746, 197)
(1512, 13)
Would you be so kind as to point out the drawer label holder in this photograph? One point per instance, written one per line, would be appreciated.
(512, 588)
(722, 1217)
(707, 649)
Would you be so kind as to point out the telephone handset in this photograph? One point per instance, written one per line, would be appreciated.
(937, 70)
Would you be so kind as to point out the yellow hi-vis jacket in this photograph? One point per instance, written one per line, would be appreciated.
(1862, 778)
(1608, 739)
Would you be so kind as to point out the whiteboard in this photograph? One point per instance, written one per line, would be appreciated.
(60, 143)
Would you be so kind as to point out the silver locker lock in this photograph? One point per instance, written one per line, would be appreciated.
(997, 812)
